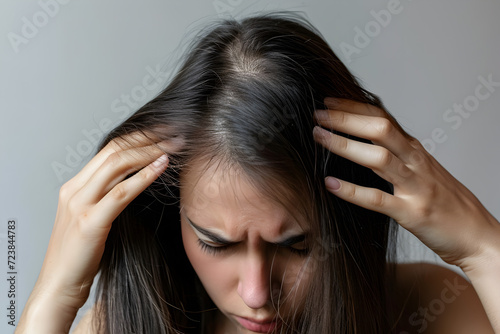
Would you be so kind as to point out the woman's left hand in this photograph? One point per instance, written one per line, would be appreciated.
(427, 201)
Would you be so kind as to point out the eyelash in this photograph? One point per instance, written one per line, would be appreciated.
(219, 249)
(210, 249)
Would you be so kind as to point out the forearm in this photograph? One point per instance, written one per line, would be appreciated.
(484, 274)
(46, 313)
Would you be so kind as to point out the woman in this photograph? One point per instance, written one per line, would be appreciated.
(208, 210)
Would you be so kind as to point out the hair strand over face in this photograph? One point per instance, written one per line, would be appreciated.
(245, 97)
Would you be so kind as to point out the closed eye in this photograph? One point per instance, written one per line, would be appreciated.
(217, 244)
(296, 244)
(213, 249)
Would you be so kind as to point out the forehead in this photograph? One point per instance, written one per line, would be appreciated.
(221, 184)
(222, 196)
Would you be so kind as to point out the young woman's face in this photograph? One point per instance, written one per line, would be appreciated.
(248, 252)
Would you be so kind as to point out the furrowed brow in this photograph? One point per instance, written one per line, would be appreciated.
(211, 235)
(290, 241)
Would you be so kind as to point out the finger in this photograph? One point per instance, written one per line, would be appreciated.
(353, 107)
(368, 198)
(135, 139)
(361, 108)
(115, 201)
(377, 158)
(114, 169)
(379, 130)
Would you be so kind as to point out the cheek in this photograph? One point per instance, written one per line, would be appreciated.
(296, 283)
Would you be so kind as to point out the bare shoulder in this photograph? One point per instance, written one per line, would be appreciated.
(87, 323)
(434, 299)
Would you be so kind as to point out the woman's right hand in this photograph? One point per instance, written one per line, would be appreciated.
(88, 204)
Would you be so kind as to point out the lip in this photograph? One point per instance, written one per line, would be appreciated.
(258, 326)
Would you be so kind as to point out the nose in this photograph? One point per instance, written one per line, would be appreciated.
(255, 282)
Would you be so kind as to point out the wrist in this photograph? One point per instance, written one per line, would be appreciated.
(483, 271)
(486, 260)
(46, 312)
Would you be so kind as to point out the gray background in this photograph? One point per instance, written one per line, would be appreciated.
(69, 79)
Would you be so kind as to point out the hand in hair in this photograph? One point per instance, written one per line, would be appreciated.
(88, 204)
(427, 201)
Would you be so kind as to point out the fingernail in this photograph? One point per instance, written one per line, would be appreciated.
(332, 183)
(160, 161)
(320, 133)
(321, 115)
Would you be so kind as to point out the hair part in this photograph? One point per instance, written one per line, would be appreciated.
(245, 97)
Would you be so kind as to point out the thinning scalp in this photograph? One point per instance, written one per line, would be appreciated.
(242, 62)
(244, 97)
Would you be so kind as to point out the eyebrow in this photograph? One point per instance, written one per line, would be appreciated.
(220, 240)
(214, 237)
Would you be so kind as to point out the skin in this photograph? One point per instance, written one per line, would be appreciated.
(88, 204)
(427, 201)
(256, 263)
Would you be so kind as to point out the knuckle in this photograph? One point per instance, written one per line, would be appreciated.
(421, 160)
(341, 142)
(383, 157)
(119, 192)
(416, 158)
(116, 163)
(403, 172)
(341, 118)
(384, 128)
(377, 199)
(423, 207)
(113, 160)
(145, 175)
(73, 205)
(414, 142)
(65, 191)
(351, 193)
(422, 211)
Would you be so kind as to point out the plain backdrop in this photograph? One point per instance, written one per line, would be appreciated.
(70, 70)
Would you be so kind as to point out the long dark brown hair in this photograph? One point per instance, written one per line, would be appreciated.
(245, 94)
